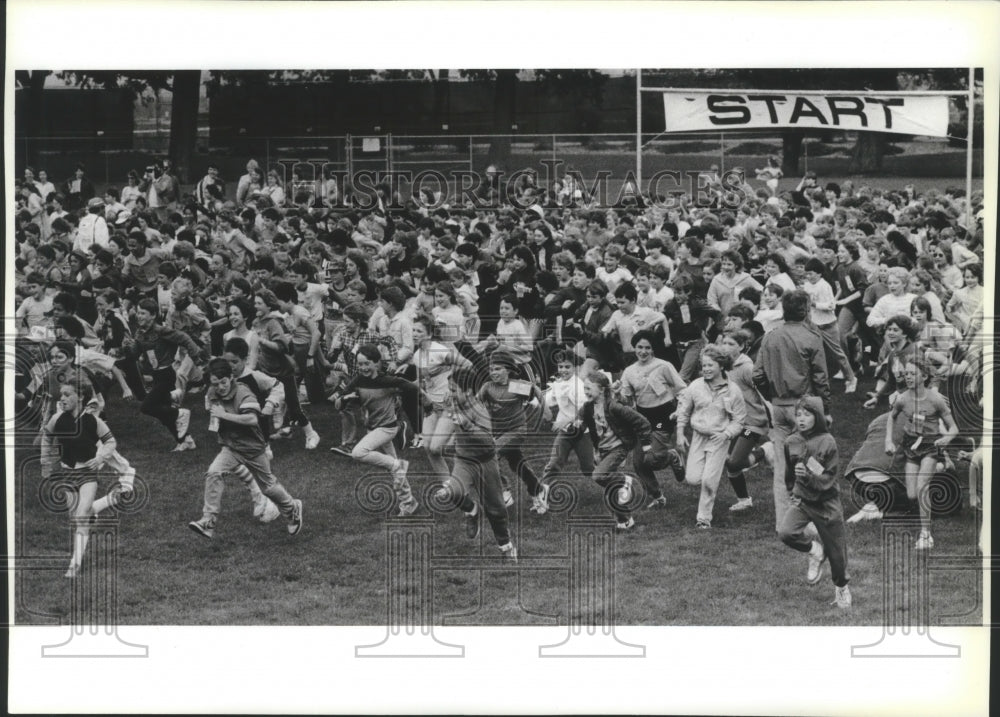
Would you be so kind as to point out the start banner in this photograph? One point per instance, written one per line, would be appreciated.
(911, 114)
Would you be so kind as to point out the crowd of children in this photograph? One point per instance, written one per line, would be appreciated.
(699, 337)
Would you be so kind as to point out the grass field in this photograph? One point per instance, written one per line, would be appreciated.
(334, 571)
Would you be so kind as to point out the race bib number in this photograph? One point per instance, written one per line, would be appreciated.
(519, 388)
(814, 466)
(849, 283)
(685, 313)
(918, 422)
(151, 357)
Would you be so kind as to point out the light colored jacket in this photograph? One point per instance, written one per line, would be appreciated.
(712, 411)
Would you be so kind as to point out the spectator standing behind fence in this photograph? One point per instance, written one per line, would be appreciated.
(791, 364)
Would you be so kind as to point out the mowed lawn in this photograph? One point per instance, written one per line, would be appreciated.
(335, 571)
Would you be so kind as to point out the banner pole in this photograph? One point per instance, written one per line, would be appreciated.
(638, 129)
(968, 149)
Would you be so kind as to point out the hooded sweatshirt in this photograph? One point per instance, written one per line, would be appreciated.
(810, 448)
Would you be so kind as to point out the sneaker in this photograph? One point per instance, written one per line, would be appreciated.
(271, 512)
(509, 552)
(343, 449)
(540, 502)
(627, 525)
(312, 439)
(417, 441)
(295, 524)
(838, 376)
(73, 571)
(741, 505)
(508, 498)
(851, 386)
(625, 492)
(842, 597)
(676, 464)
(406, 509)
(869, 511)
(660, 502)
(703, 525)
(284, 432)
(924, 541)
(817, 556)
(183, 421)
(205, 526)
(472, 524)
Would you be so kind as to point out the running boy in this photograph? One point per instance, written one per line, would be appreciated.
(235, 417)
(811, 471)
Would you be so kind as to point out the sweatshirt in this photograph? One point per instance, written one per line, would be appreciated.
(815, 444)
(712, 410)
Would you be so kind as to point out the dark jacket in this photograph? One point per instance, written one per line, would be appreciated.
(818, 444)
(630, 426)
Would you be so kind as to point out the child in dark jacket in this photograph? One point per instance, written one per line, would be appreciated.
(812, 466)
(615, 430)
(475, 471)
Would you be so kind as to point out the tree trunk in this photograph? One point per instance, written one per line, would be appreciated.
(866, 157)
(184, 122)
(791, 150)
(504, 116)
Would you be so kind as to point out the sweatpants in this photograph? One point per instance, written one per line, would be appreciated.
(705, 461)
(609, 477)
(828, 517)
(158, 403)
(481, 476)
(227, 461)
(508, 447)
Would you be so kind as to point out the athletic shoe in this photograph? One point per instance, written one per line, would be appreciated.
(295, 523)
(406, 509)
(509, 552)
(660, 502)
(703, 525)
(271, 512)
(312, 438)
(472, 524)
(73, 571)
(343, 449)
(205, 526)
(741, 505)
(183, 421)
(259, 506)
(627, 525)
(508, 498)
(924, 541)
(284, 432)
(838, 376)
(851, 386)
(842, 597)
(817, 556)
(540, 502)
(417, 441)
(625, 492)
(869, 511)
(676, 464)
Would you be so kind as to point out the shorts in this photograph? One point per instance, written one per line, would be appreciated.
(77, 477)
(917, 455)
